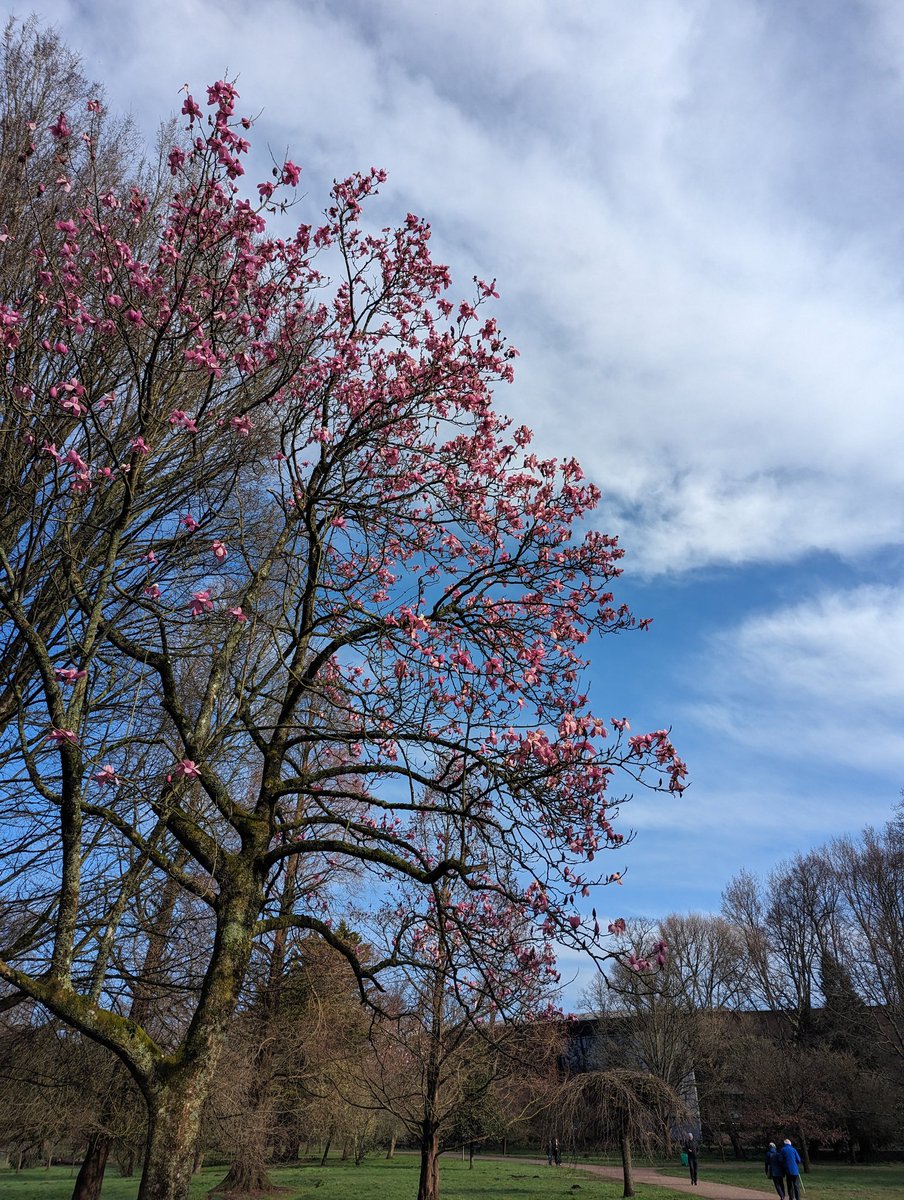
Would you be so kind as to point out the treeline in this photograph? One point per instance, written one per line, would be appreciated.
(784, 1014)
(307, 1070)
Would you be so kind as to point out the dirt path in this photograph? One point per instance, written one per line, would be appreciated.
(704, 1189)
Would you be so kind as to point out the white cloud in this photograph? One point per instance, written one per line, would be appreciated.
(653, 185)
(821, 680)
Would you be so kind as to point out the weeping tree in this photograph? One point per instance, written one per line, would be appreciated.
(626, 1107)
(275, 576)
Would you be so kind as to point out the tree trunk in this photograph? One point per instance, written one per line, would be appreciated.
(288, 1144)
(126, 1162)
(804, 1151)
(326, 1148)
(624, 1144)
(91, 1173)
(179, 1084)
(247, 1174)
(390, 1153)
(428, 1184)
(173, 1127)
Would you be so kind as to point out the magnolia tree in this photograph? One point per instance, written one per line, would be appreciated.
(275, 576)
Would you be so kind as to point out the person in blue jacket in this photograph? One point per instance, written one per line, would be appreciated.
(775, 1169)
(791, 1166)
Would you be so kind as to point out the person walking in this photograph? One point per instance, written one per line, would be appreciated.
(550, 1153)
(556, 1152)
(690, 1149)
(775, 1169)
(791, 1167)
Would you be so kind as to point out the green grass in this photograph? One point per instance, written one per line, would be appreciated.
(511, 1179)
(826, 1181)
(375, 1179)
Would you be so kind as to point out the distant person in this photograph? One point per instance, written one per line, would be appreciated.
(775, 1169)
(690, 1149)
(791, 1167)
(550, 1153)
(556, 1152)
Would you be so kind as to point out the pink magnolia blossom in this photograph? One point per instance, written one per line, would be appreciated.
(220, 551)
(200, 603)
(239, 615)
(241, 425)
(60, 129)
(186, 768)
(139, 445)
(191, 109)
(95, 106)
(153, 591)
(73, 405)
(190, 523)
(106, 776)
(63, 737)
(69, 674)
(183, 420)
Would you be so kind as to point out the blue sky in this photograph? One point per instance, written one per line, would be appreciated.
(695, 211)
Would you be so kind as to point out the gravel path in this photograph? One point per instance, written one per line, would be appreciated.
(704, 1189)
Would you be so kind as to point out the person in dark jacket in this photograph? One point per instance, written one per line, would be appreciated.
(775, 1169)
(690, 1149)
(791, 1167)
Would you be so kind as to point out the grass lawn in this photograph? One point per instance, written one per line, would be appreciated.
(512, 1179)
(375, 1179)
(883, 1181)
